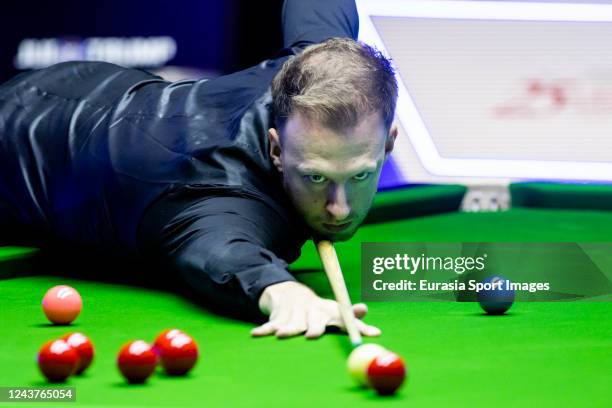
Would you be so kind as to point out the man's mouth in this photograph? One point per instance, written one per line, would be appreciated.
(336, 227)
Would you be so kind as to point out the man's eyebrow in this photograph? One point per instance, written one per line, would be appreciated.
(308, 169)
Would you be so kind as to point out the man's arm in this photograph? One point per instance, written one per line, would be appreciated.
(314, 21)
(226, 249)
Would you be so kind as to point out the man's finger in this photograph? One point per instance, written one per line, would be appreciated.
(290, 330)
(265, 329)
(316, 325)
(288, 327)
(360, 310)
(367, 330)
(276, 320)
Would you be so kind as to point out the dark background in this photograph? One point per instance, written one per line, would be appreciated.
(219, 36)
(213, 37)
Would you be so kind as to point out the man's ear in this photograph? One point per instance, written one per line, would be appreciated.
(390, 142)
(275, 149)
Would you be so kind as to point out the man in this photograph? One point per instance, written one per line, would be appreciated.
(221, 180)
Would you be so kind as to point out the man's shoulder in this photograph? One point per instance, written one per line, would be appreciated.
(256, 78)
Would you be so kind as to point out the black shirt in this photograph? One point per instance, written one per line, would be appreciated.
(99, 155)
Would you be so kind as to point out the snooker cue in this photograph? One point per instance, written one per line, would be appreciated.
(329, 259)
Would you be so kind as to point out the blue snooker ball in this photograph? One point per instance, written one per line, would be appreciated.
(495, 299)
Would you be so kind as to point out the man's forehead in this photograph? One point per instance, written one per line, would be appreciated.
(307, 141)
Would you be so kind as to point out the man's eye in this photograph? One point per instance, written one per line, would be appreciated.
(362, 176)
(316, 178)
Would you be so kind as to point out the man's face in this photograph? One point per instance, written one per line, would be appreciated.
(331, 176)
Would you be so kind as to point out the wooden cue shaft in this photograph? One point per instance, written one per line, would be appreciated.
(329, 259)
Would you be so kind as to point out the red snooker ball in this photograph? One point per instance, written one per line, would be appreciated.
(84, 348)
(386, 373)
(163, 338)
(136, 361)
(178, 354)
(57, 360)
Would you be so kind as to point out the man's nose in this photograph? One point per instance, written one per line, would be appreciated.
(337, 203)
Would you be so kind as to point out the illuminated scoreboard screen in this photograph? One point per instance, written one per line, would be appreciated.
(494, 92)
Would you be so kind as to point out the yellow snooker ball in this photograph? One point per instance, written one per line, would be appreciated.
(359, 360)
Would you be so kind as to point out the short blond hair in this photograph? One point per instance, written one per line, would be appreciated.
(335, 83)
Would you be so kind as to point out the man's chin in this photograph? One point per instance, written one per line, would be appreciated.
(335, 236)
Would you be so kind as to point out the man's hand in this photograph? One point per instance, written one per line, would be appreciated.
(295, 309)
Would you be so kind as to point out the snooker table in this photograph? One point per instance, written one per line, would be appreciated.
(545, 354)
